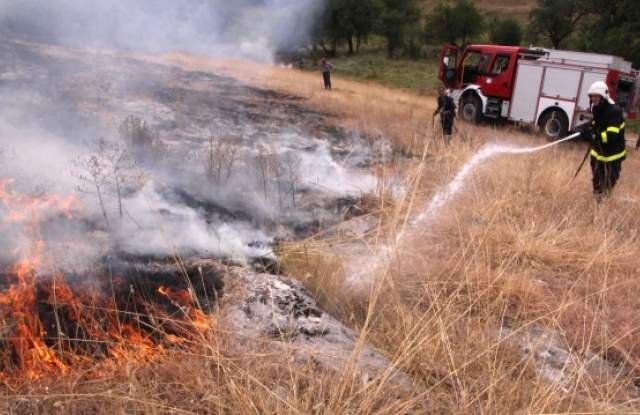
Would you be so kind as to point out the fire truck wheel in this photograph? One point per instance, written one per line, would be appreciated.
(554, 124)
(471, 110)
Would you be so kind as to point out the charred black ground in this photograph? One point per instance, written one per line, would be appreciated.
(245, 166)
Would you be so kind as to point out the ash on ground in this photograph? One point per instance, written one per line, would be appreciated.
(172, 161)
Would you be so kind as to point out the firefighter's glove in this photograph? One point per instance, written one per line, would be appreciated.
(586, 132)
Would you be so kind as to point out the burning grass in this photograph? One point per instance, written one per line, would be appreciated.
(58, 323)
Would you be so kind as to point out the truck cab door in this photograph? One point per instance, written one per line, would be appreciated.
(473, 66)
(499, 76)
(448, 72)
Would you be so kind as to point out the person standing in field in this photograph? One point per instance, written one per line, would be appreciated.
(325, 68)
(447, 110)
(606, 135)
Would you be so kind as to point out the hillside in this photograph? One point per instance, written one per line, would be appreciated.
(471, 279)
(517, 286)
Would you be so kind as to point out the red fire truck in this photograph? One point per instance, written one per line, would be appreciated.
(543, 87)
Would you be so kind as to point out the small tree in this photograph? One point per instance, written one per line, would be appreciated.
(104, 173)
(94, 179)
(557, 19)
(505, 32)
(455, 23)
(220, 157)
(116, 157)
(292, 165)
(278, 169)
(262, 164)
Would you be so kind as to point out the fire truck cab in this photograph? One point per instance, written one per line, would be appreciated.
(547, 88)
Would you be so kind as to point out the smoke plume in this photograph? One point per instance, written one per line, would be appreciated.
(249, 28)
(161, 161)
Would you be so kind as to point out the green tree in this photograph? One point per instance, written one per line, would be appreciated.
(397, 19)
(364, 16)
(505, 32)
(347, 20)
(557, 19)
(613, 28)
(456, 22)
(335, 26)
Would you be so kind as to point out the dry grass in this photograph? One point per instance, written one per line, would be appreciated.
(402, 117)
(522, 248)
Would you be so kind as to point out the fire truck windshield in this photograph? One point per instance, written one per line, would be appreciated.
(474, 64)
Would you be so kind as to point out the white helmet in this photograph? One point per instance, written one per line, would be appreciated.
(600, 88)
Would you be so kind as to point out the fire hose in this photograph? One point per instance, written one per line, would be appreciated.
(586, 155)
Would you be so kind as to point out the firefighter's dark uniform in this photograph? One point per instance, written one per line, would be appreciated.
(325, 68)
(447, 110)
(608, 148)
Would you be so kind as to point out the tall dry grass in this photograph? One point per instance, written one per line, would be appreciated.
(522, 250)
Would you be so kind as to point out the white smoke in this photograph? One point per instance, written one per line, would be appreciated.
(253, 28)
(156, 227)
(287, 176)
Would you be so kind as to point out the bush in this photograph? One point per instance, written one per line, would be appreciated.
(505, 32)
(139, 138)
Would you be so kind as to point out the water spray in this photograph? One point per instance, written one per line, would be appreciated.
(486, 152)
(383, 256)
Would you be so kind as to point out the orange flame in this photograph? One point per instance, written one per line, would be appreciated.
(22, 207)
(95, 316)
(183, 300)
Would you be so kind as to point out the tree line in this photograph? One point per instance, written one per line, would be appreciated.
(606, 26)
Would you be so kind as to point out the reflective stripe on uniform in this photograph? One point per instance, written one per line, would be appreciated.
(609, 158)
(611, 130)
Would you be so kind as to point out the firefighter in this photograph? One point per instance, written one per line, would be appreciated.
(325, 68)
(606, 134)
(447, 110)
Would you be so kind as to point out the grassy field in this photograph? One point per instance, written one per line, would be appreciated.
(374, 66)
(464, 301)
